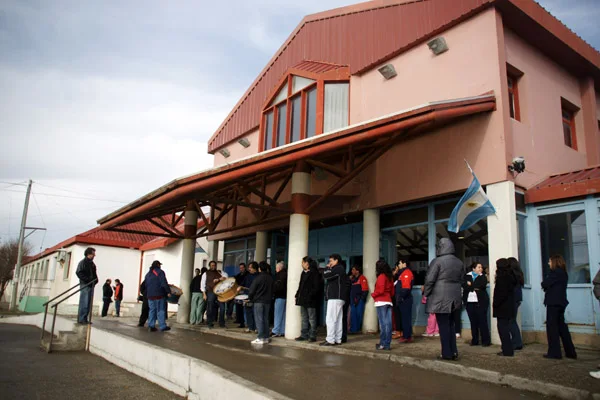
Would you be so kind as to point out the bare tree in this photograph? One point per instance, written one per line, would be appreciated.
(8, 260)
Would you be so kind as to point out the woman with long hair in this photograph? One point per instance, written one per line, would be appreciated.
(476, 298)
(384, 289)
(515, 331)
(504, 304)
(555, 300)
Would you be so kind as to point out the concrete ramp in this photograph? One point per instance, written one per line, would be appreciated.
(186, 376)
(68, 335)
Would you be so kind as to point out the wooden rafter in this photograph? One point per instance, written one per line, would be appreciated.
(327, 167)
(174, 228)
(165, 228)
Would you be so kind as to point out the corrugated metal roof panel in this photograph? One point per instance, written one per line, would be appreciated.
(358, 36)
(562, 186)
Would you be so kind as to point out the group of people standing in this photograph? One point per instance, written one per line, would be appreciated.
(107, 296)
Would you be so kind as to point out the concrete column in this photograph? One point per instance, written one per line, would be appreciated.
(590, 121)
(502, 233)
(298, 245)
(213, 251)
(52, 271)
(260, 253)
(371, 235)
(187, 262)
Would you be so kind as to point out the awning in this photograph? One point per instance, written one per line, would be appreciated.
(243, 183)
(564, 186)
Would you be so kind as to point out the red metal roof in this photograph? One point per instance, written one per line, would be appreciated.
(316, 67)
(101, 237)
(364, 35)
(563, 186)
(176, 194)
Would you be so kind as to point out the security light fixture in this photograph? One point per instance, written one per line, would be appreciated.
(225, 153)
(388, 71)
(438, 45)
(244, 142)
(517, 166)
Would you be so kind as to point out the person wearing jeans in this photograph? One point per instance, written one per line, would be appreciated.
(337, 281)
(260, 294)
(307, 298)
(86, 272)
(280, 293)
(382, 295)
(358, 298)
(197, 299)
(157, 289)
(118, 296)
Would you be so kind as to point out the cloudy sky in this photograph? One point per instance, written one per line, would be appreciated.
(103, 101)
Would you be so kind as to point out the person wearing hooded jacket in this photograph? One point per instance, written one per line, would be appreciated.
(443, 291)
(107, 294)
(504, 304)
(337, 292)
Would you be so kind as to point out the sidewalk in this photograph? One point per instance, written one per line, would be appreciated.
(528, 370)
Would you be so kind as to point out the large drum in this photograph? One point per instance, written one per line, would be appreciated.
(176, 293)
(226, 290)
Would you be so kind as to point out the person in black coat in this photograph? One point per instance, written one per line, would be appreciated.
(515, 331)
(477, 301)
(107, 293)
(145, 308)
(555, 300)
(307, 298)
(260, 294)
(504, 304)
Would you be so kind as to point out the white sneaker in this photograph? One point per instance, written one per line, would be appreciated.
(427, 334)
(458, 335)
(595, 374)
(266, 341)
(436, 334)
(257, 341)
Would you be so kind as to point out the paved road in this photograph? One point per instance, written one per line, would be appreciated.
(26, 372)
(304, 374)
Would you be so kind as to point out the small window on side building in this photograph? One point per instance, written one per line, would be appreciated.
(513, 75)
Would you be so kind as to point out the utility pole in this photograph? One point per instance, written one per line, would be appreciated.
(15, 280)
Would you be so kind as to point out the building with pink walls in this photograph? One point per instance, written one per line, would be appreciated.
(352, 140)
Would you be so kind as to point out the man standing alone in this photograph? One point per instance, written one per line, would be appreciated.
(280, 294)
(157, 288)
(197, 299)
(86, 272)
(336, 279)
(118, 296)
(107, 294)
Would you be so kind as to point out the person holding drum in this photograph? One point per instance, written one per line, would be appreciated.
(209, 280)
(243, 296)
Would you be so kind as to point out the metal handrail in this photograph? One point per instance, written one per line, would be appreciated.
(55, 306)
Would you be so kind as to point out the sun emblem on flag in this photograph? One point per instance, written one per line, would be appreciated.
(472, 204)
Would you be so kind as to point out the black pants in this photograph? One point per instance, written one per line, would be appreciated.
(478, 315)
(456, 315)
(397, 317)
(504, 333)
(345, 309)
(239, 313)
(145, 312)
(229, 310)
(557, 330)
(447, 334)
(405, 321)
(105, 306)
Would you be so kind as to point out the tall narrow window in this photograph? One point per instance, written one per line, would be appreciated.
(269, 130)
(568, 123)
(513, 98)
(336, 106)
(281, 123)
(296, 111)
(311, 113)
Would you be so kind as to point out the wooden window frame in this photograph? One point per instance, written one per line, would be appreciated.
(572, 110)
(342, 75)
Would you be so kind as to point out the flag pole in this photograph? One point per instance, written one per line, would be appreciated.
(468, 166)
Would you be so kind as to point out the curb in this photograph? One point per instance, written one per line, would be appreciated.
(472, 373)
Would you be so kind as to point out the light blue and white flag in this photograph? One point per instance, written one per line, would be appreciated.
(473, 206)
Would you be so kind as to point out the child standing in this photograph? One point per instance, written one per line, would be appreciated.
(432, 325)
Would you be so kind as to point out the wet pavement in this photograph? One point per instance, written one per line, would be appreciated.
(316, 375)
(26, 372)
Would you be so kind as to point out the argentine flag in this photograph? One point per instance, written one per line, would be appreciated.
(473, 206)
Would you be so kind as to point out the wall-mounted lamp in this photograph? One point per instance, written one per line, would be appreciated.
(438, 45)
(517, 166)
(225, 153)
(244, 142)
(388, 71)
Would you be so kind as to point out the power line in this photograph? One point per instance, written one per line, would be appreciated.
(67, 197)
(63, 189)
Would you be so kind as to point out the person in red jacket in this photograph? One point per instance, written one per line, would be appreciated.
(384, 290)
(404, 300)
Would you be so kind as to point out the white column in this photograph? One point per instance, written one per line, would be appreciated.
(371, 235)
(213, 251)
(502, 234)
(52, 271)
(187, 264)
(260, 254)
(298, 247)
